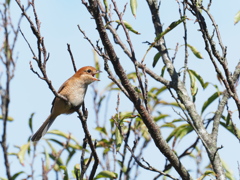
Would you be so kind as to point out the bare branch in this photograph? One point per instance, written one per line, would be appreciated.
(6, 56)
(83, 117)
(72, 58)
(83, 165)
(154, 75)
(34, 56)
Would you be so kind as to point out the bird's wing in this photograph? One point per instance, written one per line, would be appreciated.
(59, 90)
(62, 86)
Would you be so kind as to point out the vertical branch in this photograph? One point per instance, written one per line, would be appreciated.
(185, 43)
(6, 57)
(83, 165)
(83, 117)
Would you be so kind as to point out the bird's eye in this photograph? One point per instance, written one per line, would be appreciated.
(89, 70)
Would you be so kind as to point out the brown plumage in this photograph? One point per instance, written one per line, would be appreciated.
(74, 90)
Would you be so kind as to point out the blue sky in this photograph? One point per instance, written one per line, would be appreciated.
(59, 20)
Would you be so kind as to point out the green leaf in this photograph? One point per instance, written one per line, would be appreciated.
(140, 126)
(52, 147)
(62, 134)
(86, 160)
(160, 90)
(133, 5)
(168, 125)
(30, 122)
(126, 115)
(110, 87)
(228, 119)
(175, 104)
(132, 76)
(104, 143)
(210, 100)
(180, 132)
(70, 155)
(228, 173)
(128, 26)
(195, 51)
(123, 168)
(199, 5)
(230, 126)
(207, 173)
(156, 58)
(106, 174)
(161, 116)
(3, 178)
(47, 159)
(96, 61)
(237, 18)
(199, 78)
(53, 156)
(22, 152)
(8, 2)
(77, 171)
(7, 50)
(65, 172)
(101, 130)
(106, 5)
(8, 118)
(16, 175)
(59, 161)
(169, 28)
(118, 139)
(100, 100)
(163, 70)
(74, 146)
(193, 83)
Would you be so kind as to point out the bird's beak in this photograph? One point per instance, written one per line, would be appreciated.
(96, 72)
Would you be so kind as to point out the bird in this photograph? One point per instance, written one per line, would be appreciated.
(74, 90)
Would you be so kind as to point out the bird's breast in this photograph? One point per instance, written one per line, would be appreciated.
(76, 96)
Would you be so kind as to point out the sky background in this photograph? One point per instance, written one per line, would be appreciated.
(59, 20)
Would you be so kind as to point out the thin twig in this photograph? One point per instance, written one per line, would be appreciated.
(83, 165)
(30, 47)
(72, 58)
(154, 75)
(83, 118)
(175, 53)
(94, 47)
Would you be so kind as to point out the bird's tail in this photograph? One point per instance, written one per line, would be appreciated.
(44, 128)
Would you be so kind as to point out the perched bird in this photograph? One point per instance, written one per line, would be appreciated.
(74, 90)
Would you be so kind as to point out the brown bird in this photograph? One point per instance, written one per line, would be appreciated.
(74, 90)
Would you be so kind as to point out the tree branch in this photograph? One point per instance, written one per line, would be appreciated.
(147, 119)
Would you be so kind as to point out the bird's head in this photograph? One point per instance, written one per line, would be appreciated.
(87, 74)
